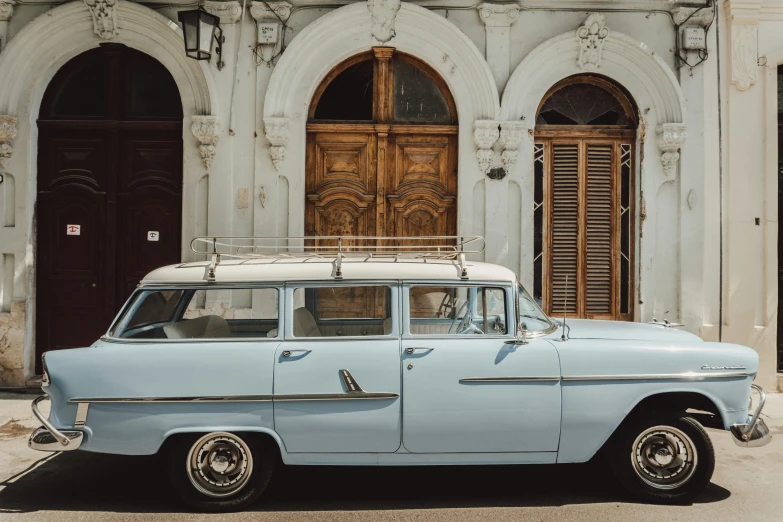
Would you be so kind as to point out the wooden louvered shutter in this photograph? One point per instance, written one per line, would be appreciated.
(565, 227)
(598, 280)
(586, 233)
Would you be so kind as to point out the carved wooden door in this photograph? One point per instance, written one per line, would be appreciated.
(109, 190)
(381, 152)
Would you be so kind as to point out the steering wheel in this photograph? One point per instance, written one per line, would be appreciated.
(456, 316)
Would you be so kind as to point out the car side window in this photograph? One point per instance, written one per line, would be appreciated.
(338, 311)
(458, 310)
(199, 314)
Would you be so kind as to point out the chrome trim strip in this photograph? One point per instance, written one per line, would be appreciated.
(62, 438)
(354, 392)
(687, 376)
(81, 415)
(509, 379)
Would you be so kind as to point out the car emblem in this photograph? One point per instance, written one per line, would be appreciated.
(709, 367)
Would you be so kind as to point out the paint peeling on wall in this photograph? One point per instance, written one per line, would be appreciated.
(12, 345)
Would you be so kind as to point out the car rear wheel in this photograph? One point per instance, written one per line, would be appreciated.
(220, 471)
(665, 457)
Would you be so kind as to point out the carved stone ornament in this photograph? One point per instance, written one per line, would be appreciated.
(7, 135)
(671, 137)
(6, 10)
(591, 35)
(744, 55)
(260, 11)
(511, 133)
(485, 134)
(276, 131)
(383, 13)
(206, 129)
(104, 17)
(228, 12)
(498, 15)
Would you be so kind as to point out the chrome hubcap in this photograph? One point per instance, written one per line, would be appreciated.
(219, 464)
(664, 457)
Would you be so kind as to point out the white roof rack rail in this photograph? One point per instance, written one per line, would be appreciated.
(338, 247)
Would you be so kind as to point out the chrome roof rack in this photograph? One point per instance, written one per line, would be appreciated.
(338, 247)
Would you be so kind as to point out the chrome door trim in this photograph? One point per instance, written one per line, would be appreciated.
(509, 379)
(354, 392)
(686, 376)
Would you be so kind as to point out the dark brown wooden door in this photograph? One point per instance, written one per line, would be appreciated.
(109, 190)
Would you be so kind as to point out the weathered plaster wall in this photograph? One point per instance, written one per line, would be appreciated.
(12, 340)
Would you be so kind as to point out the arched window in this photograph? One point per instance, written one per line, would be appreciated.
(584, 195)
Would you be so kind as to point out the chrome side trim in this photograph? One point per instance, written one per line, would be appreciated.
(354, 392)
(81, 415)
(509, 379)
(62, 438)
(44, 440)
(687, 376)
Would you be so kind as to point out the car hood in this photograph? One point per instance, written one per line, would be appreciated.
(622, 330)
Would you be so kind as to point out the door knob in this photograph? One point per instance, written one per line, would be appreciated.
(413, 349)
(289, 353)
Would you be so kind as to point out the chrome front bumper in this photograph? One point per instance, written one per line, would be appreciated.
(754, 433)
(49, 438)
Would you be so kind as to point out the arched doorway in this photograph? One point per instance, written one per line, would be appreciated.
(381, 150)
(109, 189)
(584, 199)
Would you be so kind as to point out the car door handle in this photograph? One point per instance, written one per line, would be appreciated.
(414, 349)
(289, 353)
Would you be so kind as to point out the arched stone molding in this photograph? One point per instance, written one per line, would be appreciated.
(662, 131)
(27, 65)
(319, 47)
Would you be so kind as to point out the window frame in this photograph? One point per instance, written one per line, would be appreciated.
(182, 307)
(510, 309)
(394, 309)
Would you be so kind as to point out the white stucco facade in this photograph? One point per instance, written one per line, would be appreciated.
(705, 165)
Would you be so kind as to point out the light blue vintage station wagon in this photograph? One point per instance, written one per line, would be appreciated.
(371, 351)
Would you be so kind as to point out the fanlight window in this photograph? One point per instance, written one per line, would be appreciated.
(356, 92)
(583, 200)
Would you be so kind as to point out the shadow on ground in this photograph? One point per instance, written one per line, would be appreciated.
(93, 482)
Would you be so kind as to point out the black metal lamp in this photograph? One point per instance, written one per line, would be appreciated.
(200, 29)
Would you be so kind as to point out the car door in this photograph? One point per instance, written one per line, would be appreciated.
(472, 392)
(337, 373)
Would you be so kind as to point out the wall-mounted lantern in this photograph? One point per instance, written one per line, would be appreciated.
(200, 30)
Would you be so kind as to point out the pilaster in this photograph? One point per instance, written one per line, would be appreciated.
(498, 19)
(270, 17)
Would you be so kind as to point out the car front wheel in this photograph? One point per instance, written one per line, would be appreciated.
(220, 471)
(665, 457)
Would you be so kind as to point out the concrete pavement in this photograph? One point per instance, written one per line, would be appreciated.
(747, 485)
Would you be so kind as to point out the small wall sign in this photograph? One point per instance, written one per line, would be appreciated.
(153, 235)
(73, 230)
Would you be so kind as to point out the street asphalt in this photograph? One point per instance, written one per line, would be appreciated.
(80, 486)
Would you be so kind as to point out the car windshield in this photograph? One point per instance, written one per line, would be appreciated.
(531, 317)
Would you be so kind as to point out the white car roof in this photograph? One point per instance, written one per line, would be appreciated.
(323, 269)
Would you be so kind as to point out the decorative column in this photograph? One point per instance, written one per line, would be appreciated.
(498, 19)
(6, 12)
(7, 135)
(276, 131)
(270, 17)
(206, 129)
(228, 12)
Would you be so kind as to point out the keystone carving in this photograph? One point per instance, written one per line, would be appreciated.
(104, 17)
(591, 35)
(6, 10)
(7, 135)
(485, 134)
(206, 129)
(228, 12)
(671, 137)
(276, 131)
(383, 13)
(511, 133)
